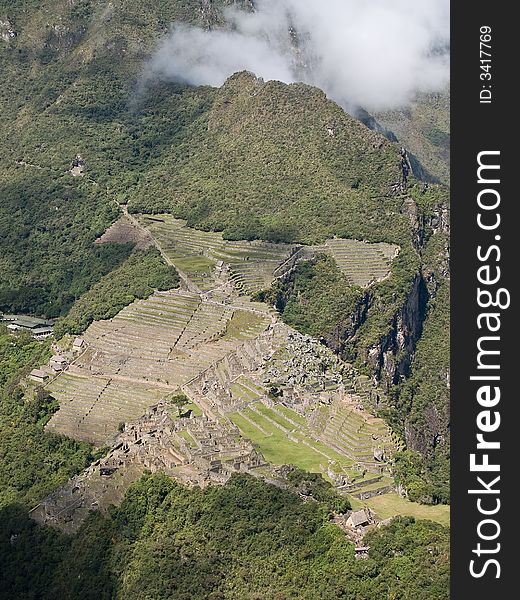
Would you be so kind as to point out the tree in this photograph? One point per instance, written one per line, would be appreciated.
(180, 401)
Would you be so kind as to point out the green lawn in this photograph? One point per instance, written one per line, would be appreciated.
(194, 264)
(392, 505)
(241, 392)
(267, 412)
(342, 461)
(174, 411)
(278, 449)
(292, 414)
(240, 321)
(187, 436)
(193, 407)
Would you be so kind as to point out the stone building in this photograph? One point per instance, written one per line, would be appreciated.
(359, 518)
(58, 363)
(38, 376)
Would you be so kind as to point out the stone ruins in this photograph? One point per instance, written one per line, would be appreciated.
(196, 450)
(249, 381)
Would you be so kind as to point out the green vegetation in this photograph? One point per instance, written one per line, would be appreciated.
(423, 405)
(188, 438)
(195, 264)
(317, 300)
(313, 485)
(48, 225)
(424, 129)
(246, 539)
(137, 278)
(275, 445)
(244, 169)
(383, 302)
(278, 448)
(180, 401)
(425, 478)
(292, 414)
(419, 550)
(66, 91)
(438, 138)
(390, 505)
(422, 401)
(253, 159)
(18, 353)
(274, 416)
(241, 322)
(32, 462)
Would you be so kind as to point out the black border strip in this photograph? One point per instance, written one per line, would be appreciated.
(478, 127)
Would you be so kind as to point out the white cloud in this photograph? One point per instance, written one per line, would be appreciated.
(372, 53)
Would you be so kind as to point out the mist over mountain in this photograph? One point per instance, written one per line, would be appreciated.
(376, 54)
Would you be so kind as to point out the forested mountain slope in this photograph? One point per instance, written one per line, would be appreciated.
(83, 137)
(244, 540)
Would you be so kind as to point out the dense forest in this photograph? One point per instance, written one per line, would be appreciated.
(243, 168)
(138, 277)
(316, 298)
(247, 539)
(48, 224)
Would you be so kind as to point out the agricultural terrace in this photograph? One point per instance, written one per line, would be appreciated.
(253, 265)
(201, 255)
(363, 264)
(150, 348)
(315, 442)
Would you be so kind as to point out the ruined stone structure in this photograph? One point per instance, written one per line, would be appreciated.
(215, 448)
(194, 450)
(236, 362)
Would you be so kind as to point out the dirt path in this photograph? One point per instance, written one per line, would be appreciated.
(190, 286)
(79, 372)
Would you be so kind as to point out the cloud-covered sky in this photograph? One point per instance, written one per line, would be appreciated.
(376, 54)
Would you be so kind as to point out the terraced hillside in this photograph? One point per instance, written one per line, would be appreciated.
(200, 254)
(205, 256)
(92, 407)
(227, 357)
(150, 348)
(220, 355)
(354, 433)
(287, 436)
(363, 264)
(315, 396)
